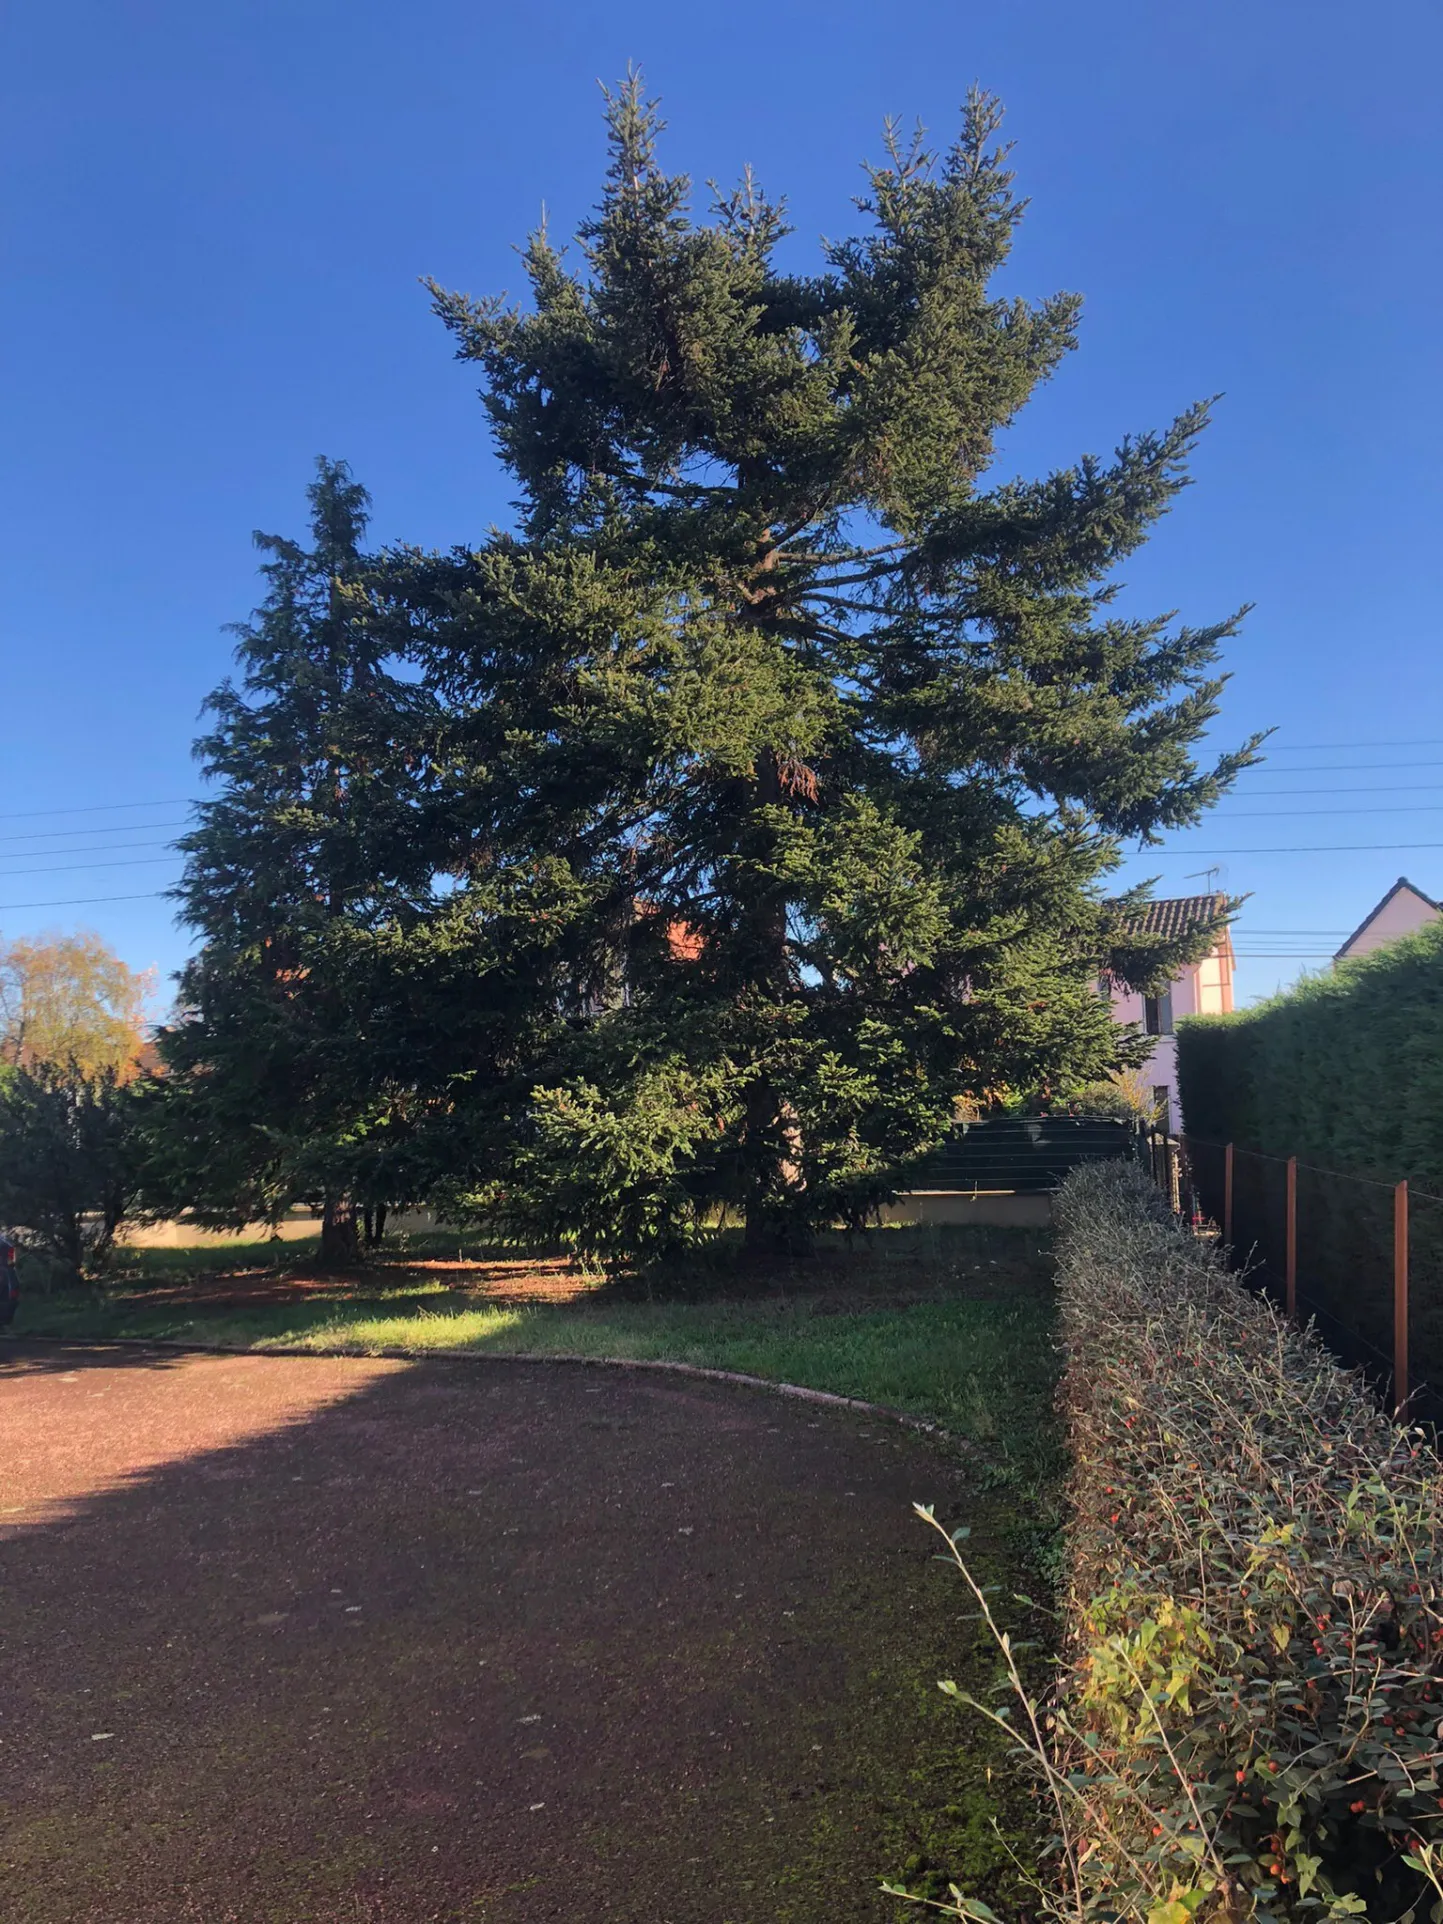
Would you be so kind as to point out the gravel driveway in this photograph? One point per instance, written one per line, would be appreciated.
(338, 1639)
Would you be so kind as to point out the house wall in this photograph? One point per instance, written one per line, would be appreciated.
(1214, 988)
(1161, 1069)
(1400, 915)
(1202, 988)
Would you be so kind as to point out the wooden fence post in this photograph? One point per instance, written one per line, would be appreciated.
(1400, 1295)
(1228, 1196)
(1185, 1190)
(1292, 1237)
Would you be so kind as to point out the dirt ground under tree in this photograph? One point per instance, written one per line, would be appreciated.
(293, 1640)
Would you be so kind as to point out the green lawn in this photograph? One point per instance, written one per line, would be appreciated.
(952, 1325)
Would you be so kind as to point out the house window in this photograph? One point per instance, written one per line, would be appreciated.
(1157, 1013)
(1162, 1107)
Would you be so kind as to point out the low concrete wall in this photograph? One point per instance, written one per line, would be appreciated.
(1002, 1209)
(292, 1227)
(999, 1208)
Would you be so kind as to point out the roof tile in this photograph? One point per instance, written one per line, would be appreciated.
(1176, 915)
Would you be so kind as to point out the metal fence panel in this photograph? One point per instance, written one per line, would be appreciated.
(1027, 1155)
(1360, 1255)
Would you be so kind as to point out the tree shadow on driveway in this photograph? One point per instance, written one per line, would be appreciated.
(337, 1638)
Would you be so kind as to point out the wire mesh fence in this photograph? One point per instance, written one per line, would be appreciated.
(1362, 1260)
(1425, 1301)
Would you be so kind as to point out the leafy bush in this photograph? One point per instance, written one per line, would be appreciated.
(1344, 1070)
(609, 1179)
(68, 1163)
(1246, 1722)
(1126, 1095)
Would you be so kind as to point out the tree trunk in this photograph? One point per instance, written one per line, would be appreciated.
(70, 1247)
(761, 1167)
(772, 1141)
(775, 1184)
(340, 1245)
(375, 1224)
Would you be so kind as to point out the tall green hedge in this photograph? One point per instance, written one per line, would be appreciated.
(1344, 1071)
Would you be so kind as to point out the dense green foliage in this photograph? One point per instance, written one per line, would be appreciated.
(283, 1082)
(699, 843)
(1345, 1070)
(68, 1162)
(1246, 1725)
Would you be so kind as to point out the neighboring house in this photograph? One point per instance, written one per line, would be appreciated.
(1402, 910)
(1202, 988)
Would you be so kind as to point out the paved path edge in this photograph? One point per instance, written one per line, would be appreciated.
(927, 1427)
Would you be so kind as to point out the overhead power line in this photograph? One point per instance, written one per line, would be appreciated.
(1271, 814)
(98, 808)
(70, 868)
(99, 848)
(1340, 768)
(1222, 815)
(1380, 788)
(69, 834)
(1300, 748)
(1307, 848)
(81, 901)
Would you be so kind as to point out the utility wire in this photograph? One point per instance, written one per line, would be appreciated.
(98, 808)
(1384, 788)
(1389, 808)
(81, 901)
(1297, 748)
(1306, 848)
(1222, 815)
(1339, 768)
(69, 868)
(100, 848)
(121, 828)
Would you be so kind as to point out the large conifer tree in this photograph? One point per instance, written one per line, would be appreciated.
(819, 747)
(280, 1087)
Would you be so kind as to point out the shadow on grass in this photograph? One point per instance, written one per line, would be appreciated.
(952, 1325)
(887, 1264)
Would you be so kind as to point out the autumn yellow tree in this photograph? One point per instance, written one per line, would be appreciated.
(69, 1001)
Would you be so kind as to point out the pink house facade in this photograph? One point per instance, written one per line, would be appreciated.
(1204, 987)
(1402, 910)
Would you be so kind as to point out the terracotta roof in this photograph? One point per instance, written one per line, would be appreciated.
(684, 943)
(1175, 915)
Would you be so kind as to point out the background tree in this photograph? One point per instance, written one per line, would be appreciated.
(69, 1161)
(278, 1091)
(69, 1000)
(73, 1041)
(818, 750)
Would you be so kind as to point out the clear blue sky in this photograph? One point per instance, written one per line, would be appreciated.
(214, 220)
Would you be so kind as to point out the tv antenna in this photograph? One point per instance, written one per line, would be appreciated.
(1207, 875)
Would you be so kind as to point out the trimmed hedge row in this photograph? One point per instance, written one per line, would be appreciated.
(1249, 1709)
(1345, 1070)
